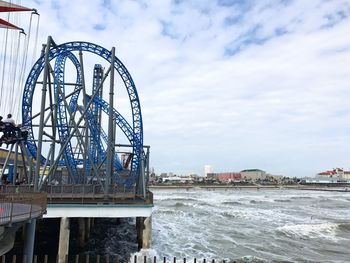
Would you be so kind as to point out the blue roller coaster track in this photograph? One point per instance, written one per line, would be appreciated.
(66, 110)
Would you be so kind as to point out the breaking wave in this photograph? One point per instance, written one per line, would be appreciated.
(282, 200)
(231, 203)
(310, 231)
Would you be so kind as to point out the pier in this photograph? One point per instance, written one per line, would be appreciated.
(19, 210)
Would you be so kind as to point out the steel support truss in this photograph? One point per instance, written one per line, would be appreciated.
(68, 137)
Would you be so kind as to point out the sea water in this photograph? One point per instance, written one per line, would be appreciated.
(246, 225)
(252, 225)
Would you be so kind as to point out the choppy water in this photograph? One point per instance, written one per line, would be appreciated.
(245, 225)
(252, 225)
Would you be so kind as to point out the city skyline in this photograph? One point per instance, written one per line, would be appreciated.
(237, 84)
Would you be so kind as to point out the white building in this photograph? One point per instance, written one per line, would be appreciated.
(208, 169)
(253, 174)
(335, 173)
(177, 179)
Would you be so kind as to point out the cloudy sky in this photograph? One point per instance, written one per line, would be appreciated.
(231, 83)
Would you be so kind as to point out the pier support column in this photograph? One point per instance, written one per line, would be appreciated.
(87, 228)
(63, 245)
(144, 231)
(29, 240)
(82, 231)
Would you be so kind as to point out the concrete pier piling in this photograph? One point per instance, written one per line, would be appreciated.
(63, 246)
(87, 228)
(82, 231)
(29, 240)
(144, 232)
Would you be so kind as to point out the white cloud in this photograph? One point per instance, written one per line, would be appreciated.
(279, 103)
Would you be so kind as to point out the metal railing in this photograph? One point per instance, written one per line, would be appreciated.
(88, 193)
(108, 259)
(81, 193)
(16, 207)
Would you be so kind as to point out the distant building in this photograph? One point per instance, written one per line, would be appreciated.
(193, 175)
(207, 169)
(337, 173)
(212, 176)
(162, 175)
(177, 179)
(228, 177)
(324, 180)
(253, 174)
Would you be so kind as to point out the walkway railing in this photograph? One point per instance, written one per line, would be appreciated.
(109, 259)
(81, 193)
(17, 207)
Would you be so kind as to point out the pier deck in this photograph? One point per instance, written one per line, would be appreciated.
(87, 201)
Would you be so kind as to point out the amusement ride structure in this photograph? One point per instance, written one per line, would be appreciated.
(64, 119)
(81, 130)
(66, 132)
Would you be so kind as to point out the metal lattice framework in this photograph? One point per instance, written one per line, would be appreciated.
(65, 111)
(124, 126)
(62, 120)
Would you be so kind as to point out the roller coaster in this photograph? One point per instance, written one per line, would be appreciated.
(66, 119)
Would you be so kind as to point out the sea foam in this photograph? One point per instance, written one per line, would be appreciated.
(306, 231)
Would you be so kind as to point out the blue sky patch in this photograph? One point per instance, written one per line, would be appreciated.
(245, 40)
(334, 19)
(233, 2)
(106, 3)
(231, 20)
(168, 30)
(99, 27)
(279, 31)
(55, 5)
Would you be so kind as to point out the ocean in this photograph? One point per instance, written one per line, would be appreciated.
(251, 225)
(247, 225)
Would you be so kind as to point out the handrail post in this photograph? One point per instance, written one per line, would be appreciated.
(11, 210)
(31, 208)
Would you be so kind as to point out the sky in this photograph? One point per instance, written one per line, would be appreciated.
(229, 83)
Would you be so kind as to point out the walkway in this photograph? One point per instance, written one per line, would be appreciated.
(20, 207)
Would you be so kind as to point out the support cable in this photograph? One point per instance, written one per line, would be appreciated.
(12, 105)
(13, 74)
(4, 67)
(10, 76)
(36, 39)
(2, 56)
(23, 68)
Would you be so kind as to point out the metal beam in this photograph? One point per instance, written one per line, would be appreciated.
(86, 142)
(42, 112)
(79, 136)
(66, 84)
(24, 154)
(49, 107)
(6, 161)
(77, 124)
(111, 142)
(15, 164)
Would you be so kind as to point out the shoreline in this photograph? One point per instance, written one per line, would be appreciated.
(255, 187)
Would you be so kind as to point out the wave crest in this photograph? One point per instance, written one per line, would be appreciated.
(310, 231)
